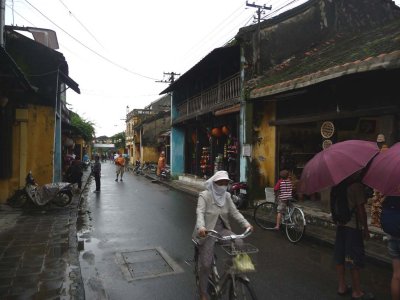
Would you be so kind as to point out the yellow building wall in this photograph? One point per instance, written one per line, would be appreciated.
(80, 141)
(264, 147)
(33, 144)
(150, 154)
(41, 143)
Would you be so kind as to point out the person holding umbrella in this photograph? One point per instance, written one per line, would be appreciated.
(338, 167)
(350, 231)
(377, 199)
(383, 175)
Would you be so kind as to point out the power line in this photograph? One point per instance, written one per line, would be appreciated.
(218, 43)
(13, 10)
(84, 27)
(88, 48)
(286, 4)
(207, 36)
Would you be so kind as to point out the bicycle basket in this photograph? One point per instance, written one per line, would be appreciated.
(242, 263)
(239, 249)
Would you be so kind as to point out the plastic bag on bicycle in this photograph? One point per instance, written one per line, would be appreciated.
(242, 262)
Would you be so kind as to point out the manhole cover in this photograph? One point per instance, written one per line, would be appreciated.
(147, 263)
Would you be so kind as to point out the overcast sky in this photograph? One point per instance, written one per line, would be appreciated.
(117, 50)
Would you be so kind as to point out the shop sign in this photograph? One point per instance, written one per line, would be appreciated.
(327, 129)
(326, 144)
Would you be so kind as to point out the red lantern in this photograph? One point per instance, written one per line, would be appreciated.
(216, 132)
(194, 137)
(225, 130)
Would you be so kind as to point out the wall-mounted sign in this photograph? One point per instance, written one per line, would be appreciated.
(327, 129)
(326, 144)
(246, 150)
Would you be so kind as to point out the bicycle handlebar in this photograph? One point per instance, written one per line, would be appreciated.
(231, 237)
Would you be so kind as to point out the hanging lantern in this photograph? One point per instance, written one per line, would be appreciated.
(225, 130)
(194, 137)
(216, 132)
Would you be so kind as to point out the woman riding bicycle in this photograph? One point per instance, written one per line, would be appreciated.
(214, 208)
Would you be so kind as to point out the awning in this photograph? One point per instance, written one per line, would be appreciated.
(228, 110)
(69, 82)
(387, 110)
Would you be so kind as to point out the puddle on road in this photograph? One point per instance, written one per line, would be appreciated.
(89, 250)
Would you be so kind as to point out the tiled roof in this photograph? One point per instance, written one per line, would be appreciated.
(344, 55)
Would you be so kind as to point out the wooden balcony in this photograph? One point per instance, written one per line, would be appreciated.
(223, 94)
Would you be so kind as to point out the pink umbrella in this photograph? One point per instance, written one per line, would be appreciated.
(384, 172)
(330, 166)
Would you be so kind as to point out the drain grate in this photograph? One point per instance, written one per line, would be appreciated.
(147, 263)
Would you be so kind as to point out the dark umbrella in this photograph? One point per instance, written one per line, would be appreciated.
(330, 166)
(384, 172)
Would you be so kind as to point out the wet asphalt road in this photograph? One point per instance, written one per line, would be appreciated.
(136, 216)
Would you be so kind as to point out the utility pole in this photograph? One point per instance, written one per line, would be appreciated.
(2, 21)
(171, 77)
(260, 10)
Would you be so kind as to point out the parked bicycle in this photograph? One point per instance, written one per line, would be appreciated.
(147, 167)
(293, 219)
(233, 281)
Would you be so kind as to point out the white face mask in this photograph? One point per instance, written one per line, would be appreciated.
(218, 192)
(219, 189)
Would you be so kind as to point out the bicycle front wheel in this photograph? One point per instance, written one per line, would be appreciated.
(265, 215)
(241, 289)
(296, 225)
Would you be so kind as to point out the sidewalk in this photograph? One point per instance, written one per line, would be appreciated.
(319, 225)
(39, 256)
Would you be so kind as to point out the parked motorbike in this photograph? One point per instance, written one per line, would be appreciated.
(59, 193)
(137, 169)
(165, 173)
(238, 191)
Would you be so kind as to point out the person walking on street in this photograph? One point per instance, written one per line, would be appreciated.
(74, 173)
(161, 163)
(96, 172)
(119, 166)
(214, 207)
(349, 199)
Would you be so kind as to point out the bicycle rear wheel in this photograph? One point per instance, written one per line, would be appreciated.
(265, 215)
(296, 225)
(241, 290)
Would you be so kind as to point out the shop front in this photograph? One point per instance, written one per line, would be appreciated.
(299, 140)
(212, 145)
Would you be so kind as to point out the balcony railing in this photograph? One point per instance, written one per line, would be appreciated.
(225, 92)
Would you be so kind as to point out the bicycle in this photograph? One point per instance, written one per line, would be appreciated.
(293, 219)
(233, 279)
